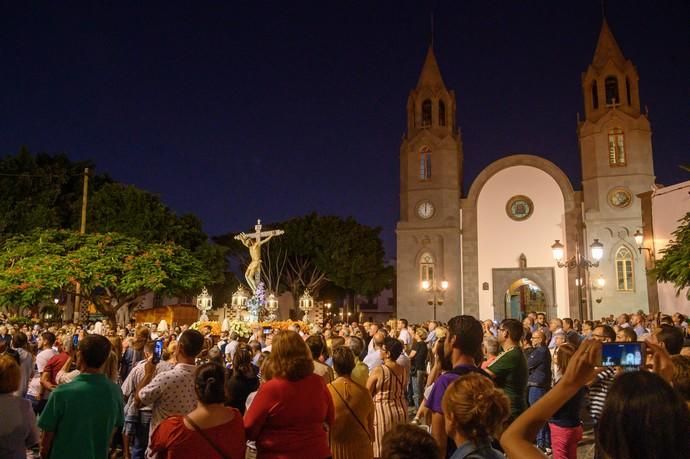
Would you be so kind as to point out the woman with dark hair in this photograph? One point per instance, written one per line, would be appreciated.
(243, 379)
(387, 385)
(212, 430)
(643, 417)
(637, 401)
(353, 428)
(291, 413)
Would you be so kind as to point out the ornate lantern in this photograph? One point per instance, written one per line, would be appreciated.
(204, 302)
(306, 303)
(272, 307)
(239, 298)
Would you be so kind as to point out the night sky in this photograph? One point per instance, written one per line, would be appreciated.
(237, 110)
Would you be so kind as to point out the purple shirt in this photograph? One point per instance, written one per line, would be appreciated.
(436, 395)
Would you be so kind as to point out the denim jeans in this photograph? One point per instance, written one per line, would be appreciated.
(140, 436)
(544, 434)
(418, 386)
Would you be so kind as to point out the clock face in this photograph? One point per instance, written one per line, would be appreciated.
(620, 197)
(425, 209)
(519, 208)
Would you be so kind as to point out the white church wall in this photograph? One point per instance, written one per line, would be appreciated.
(669, 204)
(501, 239)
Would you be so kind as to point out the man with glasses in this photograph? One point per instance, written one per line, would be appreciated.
(539, 382)
(509, 370)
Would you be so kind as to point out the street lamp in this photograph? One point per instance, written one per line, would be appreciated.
(437, 292)
(326, 311)
(579, 262)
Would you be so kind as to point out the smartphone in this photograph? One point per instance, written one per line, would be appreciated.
(628, 355)
(157, 350)
(75, 341)
(268, 330)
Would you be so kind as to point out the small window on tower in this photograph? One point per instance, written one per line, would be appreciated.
(624, 269)
(595, 96)
(426, 113)
(611, 85)
(441, 113)
(425, 164)
(627, 90)
(616, 148)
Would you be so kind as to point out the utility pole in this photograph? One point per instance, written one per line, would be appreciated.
(82, 309)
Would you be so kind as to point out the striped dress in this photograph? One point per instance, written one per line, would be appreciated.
(390, 406)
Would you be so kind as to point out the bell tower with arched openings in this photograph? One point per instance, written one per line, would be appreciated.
(615, 140)
(428, 233)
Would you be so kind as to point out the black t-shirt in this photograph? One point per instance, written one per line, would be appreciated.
(419, 359)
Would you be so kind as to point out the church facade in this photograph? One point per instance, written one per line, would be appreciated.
(490, 253)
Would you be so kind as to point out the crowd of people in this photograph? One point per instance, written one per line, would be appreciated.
(462, 389)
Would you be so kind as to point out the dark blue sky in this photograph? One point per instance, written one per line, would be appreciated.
(236, 110)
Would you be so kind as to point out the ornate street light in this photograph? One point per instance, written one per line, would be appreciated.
(204, 302)
(306, 304)
(239, 298)
(582, 264)
(437, 292)
(272, 307)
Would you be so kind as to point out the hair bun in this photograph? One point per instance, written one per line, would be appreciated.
(210, 380)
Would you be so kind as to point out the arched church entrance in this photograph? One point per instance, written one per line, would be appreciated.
(520, 290)
(522, 296)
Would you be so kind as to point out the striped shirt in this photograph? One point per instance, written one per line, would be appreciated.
(598, 392)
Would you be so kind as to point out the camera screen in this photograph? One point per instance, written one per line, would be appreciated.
(157, 350)
(622, 355)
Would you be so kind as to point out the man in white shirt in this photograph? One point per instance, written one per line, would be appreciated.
(231, 347)
(404, 334)
(37, 395)
(172, 392)
(373, 358)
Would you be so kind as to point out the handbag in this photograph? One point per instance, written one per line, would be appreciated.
(352, 412)
(208, 440)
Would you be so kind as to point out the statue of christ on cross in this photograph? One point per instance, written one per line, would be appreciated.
(253, 241)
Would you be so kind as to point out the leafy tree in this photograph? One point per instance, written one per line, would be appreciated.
(41, 191)
(45, 191)
(114, 270)
(674, 267)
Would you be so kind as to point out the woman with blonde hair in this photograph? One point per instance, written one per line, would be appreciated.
(18, 429)
(292, 412)
(135, 351)
(474, 411)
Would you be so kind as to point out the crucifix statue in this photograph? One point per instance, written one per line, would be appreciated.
(253, 241)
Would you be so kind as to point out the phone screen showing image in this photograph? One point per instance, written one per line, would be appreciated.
(268, 330)
(630, 355)
(75, 341)
(157, 350)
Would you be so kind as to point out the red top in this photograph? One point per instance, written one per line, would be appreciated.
(173, 440)
(55, 364)
(286, 418)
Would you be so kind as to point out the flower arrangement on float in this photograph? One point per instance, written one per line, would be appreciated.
(244, 329)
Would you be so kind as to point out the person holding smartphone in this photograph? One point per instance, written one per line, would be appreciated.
(624, 427)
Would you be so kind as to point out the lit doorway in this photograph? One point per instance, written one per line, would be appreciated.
(522, 296)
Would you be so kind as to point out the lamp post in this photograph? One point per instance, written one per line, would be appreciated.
(437, 293)
(326, 311)
(582, 264)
